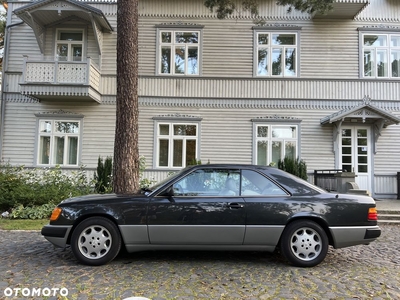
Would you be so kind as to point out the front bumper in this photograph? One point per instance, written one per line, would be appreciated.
(57, 235)
(354, 235)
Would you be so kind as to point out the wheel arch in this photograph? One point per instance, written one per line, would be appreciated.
(321, 222)
(90, 215)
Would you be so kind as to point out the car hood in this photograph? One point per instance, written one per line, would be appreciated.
(104, 197)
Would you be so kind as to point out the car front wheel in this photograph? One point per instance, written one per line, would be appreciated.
(96, 241)
(304, 243)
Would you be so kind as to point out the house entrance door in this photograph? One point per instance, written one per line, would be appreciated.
(356, 154)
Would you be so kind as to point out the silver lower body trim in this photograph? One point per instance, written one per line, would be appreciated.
(351, 235)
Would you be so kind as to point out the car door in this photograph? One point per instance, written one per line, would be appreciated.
(267, 207)
(203, 208)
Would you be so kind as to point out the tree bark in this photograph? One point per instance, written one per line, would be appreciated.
(126, 150)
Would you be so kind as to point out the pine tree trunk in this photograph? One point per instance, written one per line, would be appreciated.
(126, 151)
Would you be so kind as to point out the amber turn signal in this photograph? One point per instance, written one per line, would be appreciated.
(372, 214)
(55, 214)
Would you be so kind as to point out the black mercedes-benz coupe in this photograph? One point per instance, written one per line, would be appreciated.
(216, 207)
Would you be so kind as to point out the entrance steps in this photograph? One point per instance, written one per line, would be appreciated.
(389, 217)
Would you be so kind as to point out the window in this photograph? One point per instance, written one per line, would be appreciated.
(276, 54)
(176, 144)
(254, 184)
(225, 182)
(275, 142)
(178, 52)
(69, 45)
(58, 142)
(381, 55)
(209, 182)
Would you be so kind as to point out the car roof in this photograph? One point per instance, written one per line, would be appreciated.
(292, 183)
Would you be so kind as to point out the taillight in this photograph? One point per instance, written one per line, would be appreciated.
(372, 214)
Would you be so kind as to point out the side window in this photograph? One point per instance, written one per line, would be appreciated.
(209, 182)
(381, 55)
(69, 45)
(254, 183)
(274, 142)
(178, 52)
(58, 142)
(276, 54)
(177, 144)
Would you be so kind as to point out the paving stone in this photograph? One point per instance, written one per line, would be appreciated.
(360, 272)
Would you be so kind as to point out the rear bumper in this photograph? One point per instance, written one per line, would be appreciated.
(354, 235)
(57, 235)
(372, 233)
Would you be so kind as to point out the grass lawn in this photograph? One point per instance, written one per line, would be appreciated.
(17, 224)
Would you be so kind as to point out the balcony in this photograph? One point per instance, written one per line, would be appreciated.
(61, 80)
(344, 9)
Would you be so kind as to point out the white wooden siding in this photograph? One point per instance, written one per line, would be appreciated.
(19, 134)
(233, 88)
(109, 54)
(91, 46)
(381, 11)
(387, 158)
(329, 50)
(20, 130)
(196, 9)
(108, 85)
(22, 38)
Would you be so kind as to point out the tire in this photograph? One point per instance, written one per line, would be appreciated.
(304, 243)
(95, 241)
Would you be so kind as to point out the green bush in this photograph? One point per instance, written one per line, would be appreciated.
(36, 187)
(33, 193)
(103, 176)
(293, 166)
(32, 212)
(144, 182)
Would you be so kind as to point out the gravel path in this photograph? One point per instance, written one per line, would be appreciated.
(29, 264)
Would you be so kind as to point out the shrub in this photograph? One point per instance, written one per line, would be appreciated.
(33, 193)
(103, 176)
(32, 212)
(144, 182)
(293, 166)
(36, 187)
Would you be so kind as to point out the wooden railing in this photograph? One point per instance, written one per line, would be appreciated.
(62, 72)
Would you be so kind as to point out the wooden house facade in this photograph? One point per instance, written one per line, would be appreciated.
(325, 88)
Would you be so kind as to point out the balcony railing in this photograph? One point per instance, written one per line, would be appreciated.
(59, 72)
(50, 77)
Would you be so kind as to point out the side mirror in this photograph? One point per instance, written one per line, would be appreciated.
(169, 192)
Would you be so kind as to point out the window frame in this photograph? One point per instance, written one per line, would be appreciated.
(173, 29)
(270, 123)
(52, 135)
(171, 138)
(273, 30)
(58, 41)
(388, 48)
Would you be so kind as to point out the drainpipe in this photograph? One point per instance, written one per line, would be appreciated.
(5, 66)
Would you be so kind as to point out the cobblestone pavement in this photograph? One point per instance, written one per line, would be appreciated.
(29, 263)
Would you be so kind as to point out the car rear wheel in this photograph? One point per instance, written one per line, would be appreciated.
(304, 243)
(96, 241)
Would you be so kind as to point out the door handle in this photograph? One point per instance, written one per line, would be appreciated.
(235, 205)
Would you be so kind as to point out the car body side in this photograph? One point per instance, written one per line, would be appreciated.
(162, 221)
